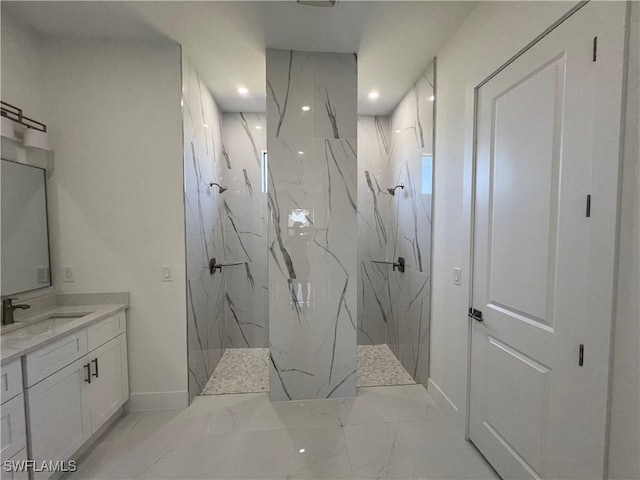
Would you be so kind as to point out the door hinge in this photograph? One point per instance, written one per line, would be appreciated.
(581, 356)
(595, 49)
(588, 212)
(475, 314)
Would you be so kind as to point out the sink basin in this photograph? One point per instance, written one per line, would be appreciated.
(41, 327)
(67, 315)
(48, 323)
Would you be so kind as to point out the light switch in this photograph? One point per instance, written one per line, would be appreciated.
(457, 276)
(43, 274)
(166, 273)
(68, 276)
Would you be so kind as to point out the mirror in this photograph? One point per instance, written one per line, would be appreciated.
(25, 236)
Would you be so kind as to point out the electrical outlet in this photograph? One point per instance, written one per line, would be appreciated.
(166, 273)
(68, 276)
(43, 274)
(457, 276)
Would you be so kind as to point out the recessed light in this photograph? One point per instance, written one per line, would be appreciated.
(306, 108)
(398, 131)
(300, 152)
(205, 125)
(302, 450)
(373, 95)
(258, 127)
(432, 98)
(243, 90)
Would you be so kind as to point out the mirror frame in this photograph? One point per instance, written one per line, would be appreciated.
(47, 216)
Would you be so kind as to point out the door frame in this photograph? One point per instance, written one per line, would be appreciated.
(472, 217)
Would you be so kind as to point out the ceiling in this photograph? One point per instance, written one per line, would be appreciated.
(226, 40)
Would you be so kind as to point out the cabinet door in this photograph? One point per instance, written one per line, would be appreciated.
(59, 414)
(109, 388)
(13, 436)
(16, 468)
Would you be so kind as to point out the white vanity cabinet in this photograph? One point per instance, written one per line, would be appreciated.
(68, 406)
(12, 423)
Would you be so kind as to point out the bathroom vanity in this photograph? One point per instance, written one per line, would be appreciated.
(64, 378)
(63, 357)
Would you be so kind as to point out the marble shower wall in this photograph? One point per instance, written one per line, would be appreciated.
(312, 246)
(245, 228)
(374, 305)
(409, 232)
(204, 229)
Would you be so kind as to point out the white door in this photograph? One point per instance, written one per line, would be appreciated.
(547, 137)
(59, 414)
(109, 387)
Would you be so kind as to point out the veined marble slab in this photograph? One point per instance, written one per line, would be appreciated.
(409, 227)
(204, 228)
(312, 200)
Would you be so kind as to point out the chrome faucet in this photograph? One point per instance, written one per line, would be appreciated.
(8, 308)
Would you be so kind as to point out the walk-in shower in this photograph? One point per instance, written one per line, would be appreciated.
(310, 277)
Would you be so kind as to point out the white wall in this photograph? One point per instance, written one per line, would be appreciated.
(116, 202)
(624, 445)
(117, 209)
(493, 33)
(22, 73)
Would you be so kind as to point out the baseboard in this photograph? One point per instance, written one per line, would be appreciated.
(158, 401)
(446, 405)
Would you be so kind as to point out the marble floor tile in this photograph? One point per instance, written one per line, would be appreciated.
(260, 414)
(377, 366)
(217, 413)
(422, 449)
(310, 453)
(388, 404)
(271, 454)
(240, 370)
(386, 432)
(126, 453)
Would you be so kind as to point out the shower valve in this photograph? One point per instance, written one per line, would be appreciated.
(399, 265)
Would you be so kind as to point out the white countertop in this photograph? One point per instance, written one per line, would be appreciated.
(15, 344)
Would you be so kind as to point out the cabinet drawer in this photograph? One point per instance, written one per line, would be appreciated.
(11, 380)
(17, 462)
(13, 427)
(103, 331)
(51, 358)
